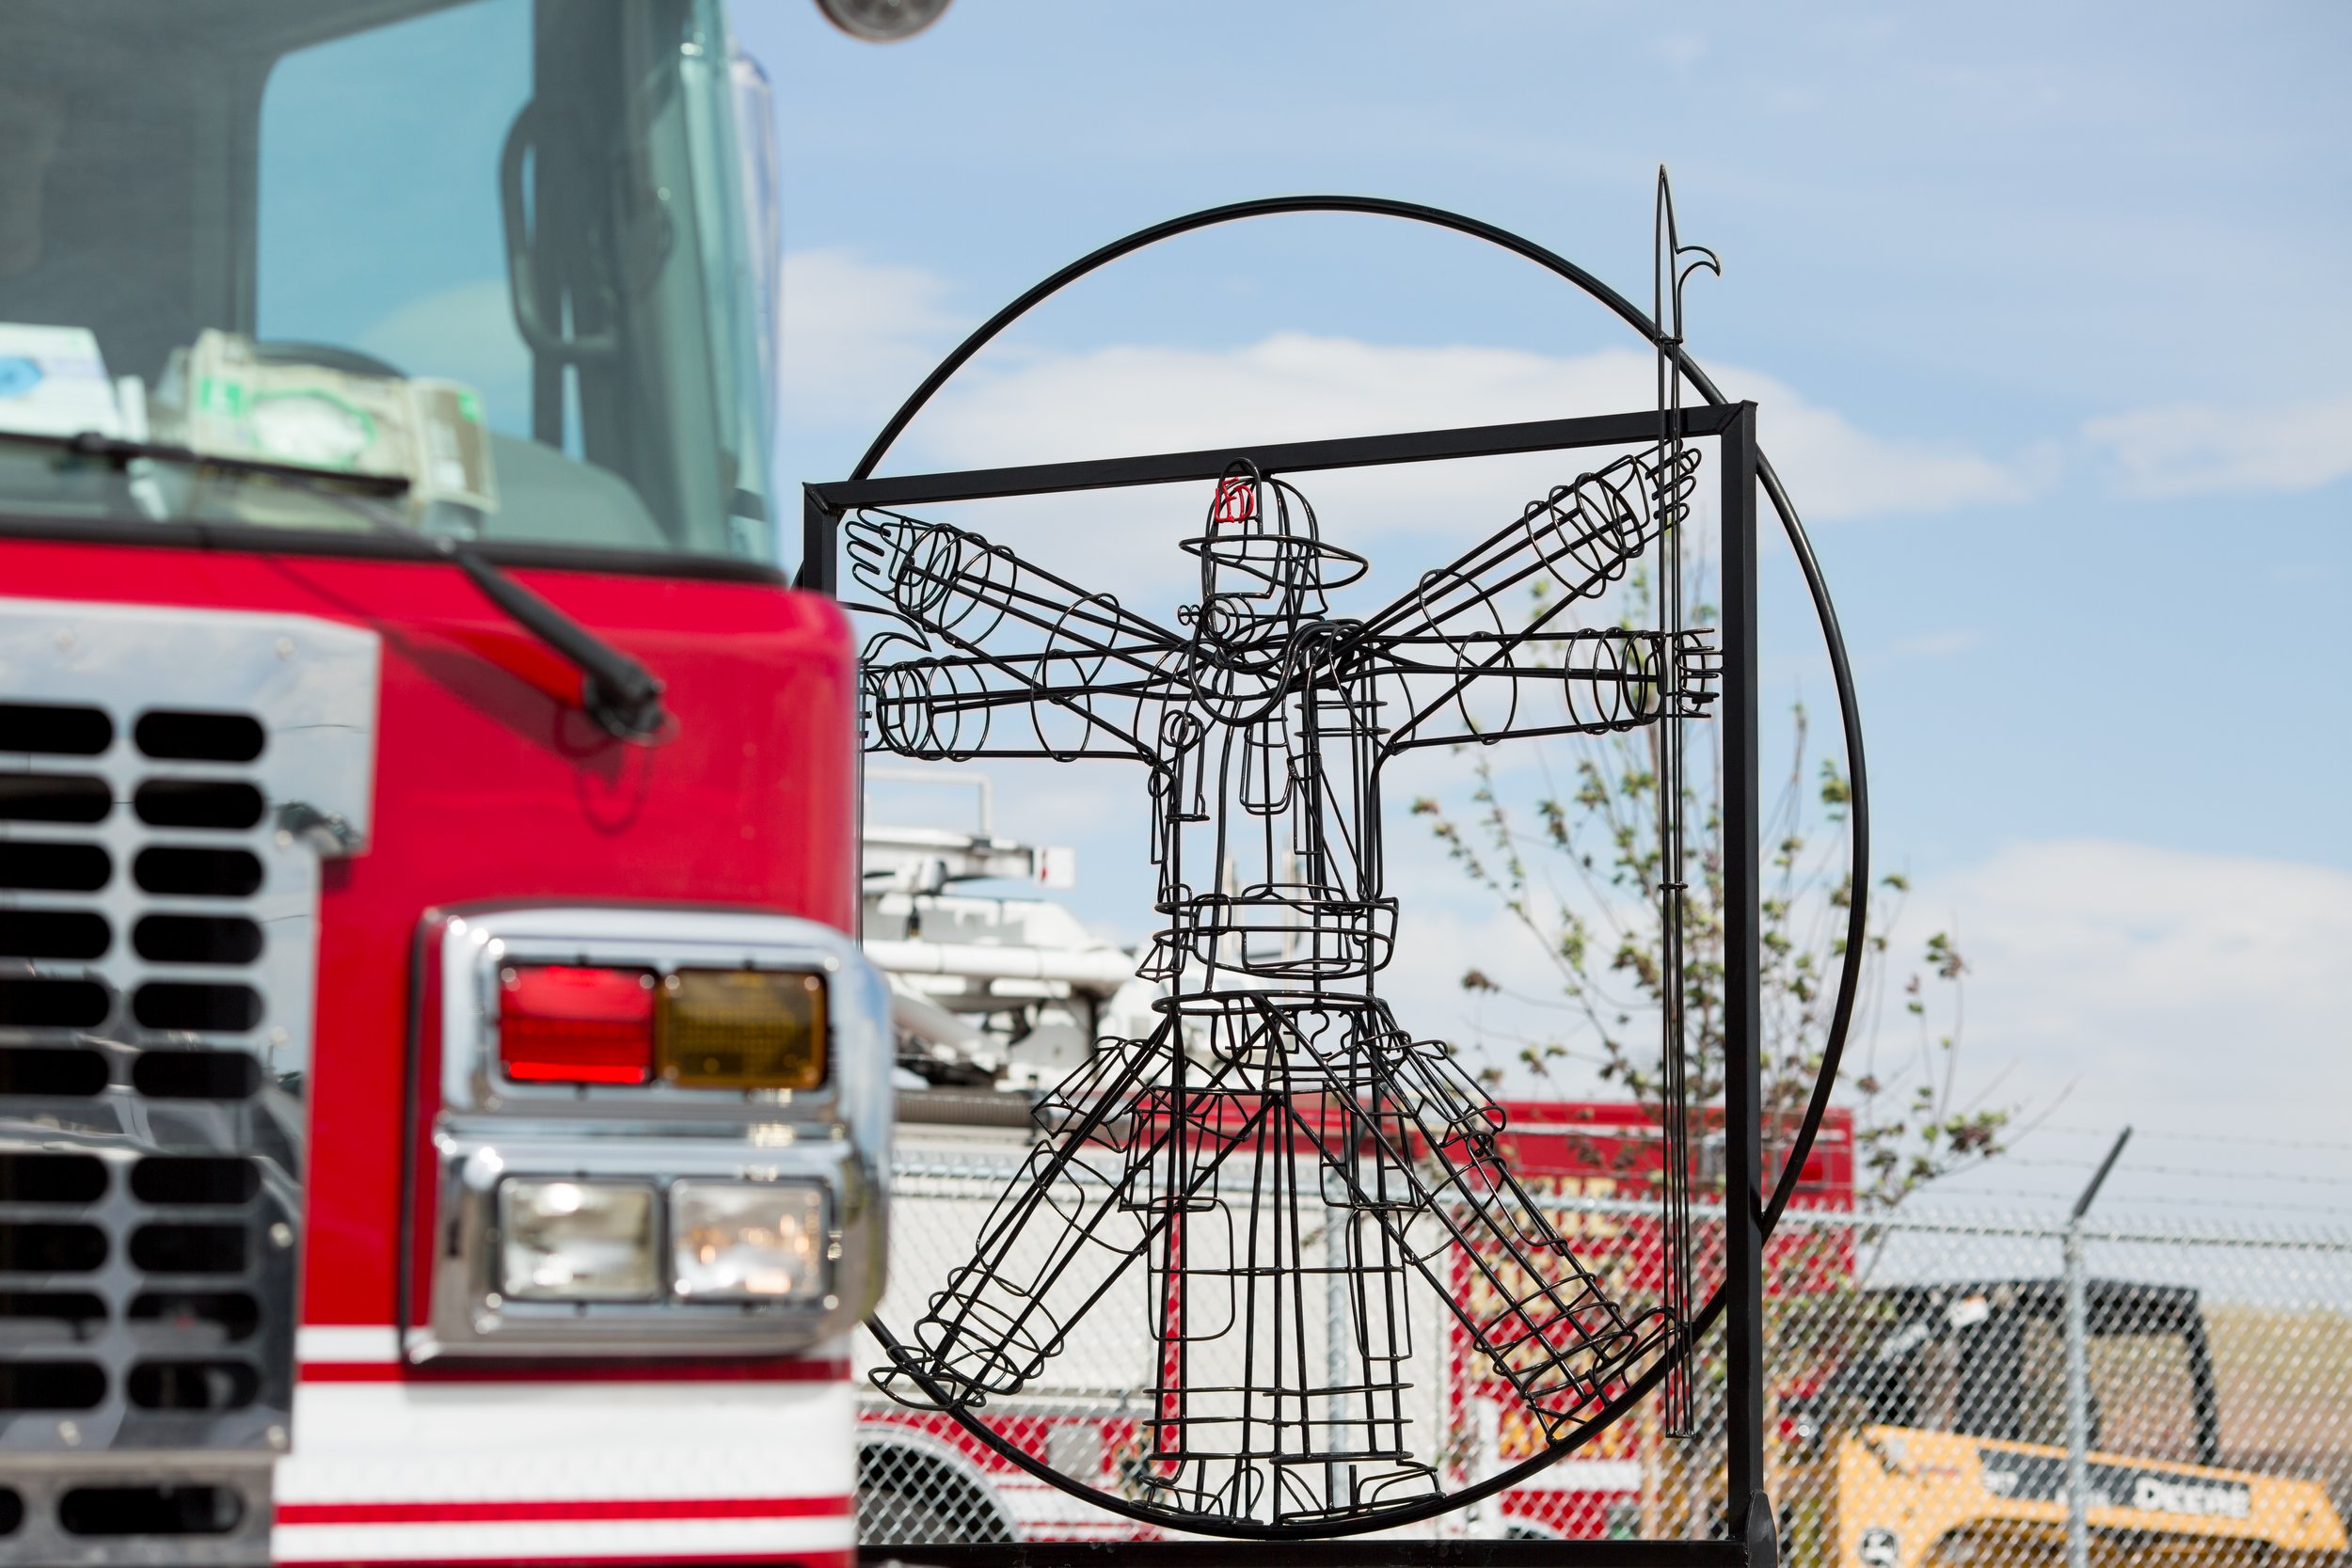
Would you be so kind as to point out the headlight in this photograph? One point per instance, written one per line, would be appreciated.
(565, 1240)
(736, 1240)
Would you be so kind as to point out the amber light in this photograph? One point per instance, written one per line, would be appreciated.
(565, 1023)
(741, 1029)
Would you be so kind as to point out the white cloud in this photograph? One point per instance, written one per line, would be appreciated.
(857, 335)
(2192, 996)
(2172, 990)
(1836, 469)
(1048, 406)
(1296, 386)
(2187, 449)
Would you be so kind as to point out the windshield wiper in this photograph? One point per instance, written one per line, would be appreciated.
(616, 691)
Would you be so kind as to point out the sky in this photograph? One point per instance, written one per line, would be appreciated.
(2044, 309)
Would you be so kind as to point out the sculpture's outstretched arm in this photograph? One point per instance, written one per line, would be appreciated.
(945, 707)
(1564, 546)
(1501, 687)
(993, 633)
(1473, 636)
(957, 587)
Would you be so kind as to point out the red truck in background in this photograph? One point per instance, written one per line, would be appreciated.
(444, 1115)
(923, 1478)
(1600, 1160)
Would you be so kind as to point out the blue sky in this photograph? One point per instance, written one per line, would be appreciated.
(2046, 309)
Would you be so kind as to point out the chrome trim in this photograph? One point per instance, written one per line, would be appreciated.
(485, 1129)
(469, 1315)
(311, 686)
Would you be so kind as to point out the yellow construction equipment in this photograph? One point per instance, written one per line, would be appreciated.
(1944, 1443)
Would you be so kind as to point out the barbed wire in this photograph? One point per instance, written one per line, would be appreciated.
(1973, 1194)
(2127, 1167)
(2327, 1147)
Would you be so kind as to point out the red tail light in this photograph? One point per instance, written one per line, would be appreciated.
(559, 1023)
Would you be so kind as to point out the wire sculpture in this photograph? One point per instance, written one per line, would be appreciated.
(1278, 1096)
(1276, 1136)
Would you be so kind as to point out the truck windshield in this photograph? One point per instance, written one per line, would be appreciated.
(497, 246)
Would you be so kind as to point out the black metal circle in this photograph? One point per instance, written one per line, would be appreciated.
(1848, 714)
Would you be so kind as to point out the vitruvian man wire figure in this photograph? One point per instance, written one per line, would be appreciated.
(1263, 1181)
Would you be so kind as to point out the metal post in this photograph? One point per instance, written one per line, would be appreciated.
(819, 543)
(2078, 1369)
(1748, 1515)
(1339, 1368)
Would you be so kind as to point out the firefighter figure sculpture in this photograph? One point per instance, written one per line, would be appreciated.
(1281, 1165)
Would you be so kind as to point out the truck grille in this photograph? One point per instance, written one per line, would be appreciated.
(158, 928)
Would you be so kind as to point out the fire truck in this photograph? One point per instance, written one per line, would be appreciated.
(444, 1115)
(996, 994)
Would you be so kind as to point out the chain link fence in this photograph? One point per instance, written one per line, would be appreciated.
(1919, 1382)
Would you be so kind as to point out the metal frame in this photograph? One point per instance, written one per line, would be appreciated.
(1733, 426)
(1750, 1525)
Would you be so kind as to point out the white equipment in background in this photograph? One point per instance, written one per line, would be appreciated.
(1003, 992)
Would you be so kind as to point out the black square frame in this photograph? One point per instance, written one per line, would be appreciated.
(1751, 1540)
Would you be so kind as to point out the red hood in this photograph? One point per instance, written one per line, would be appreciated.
(491, 785)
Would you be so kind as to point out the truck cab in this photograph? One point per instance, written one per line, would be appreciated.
(444, 1112)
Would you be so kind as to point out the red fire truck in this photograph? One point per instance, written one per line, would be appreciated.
(443, 1116)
